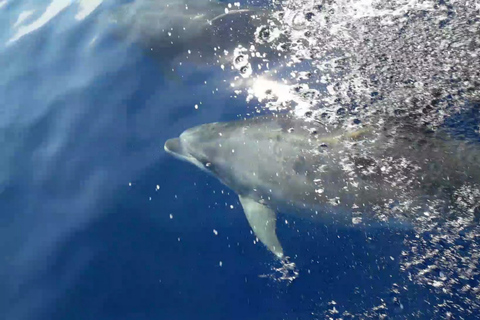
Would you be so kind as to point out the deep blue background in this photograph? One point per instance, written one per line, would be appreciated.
(84, 234)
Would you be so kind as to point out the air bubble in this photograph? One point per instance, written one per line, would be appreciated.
(299, 22)
(310, 95)
(264, 33)
(246, 71)
(240, 59)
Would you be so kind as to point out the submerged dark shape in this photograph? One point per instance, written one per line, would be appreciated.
(275, 163)
(196, 30)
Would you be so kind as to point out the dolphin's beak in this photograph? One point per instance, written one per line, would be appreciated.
(177, 149)
(174, 146)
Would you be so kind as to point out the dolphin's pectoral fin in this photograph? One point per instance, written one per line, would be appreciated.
(263, 222)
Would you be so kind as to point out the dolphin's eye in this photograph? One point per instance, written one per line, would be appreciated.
(211, 167)
(207, 164)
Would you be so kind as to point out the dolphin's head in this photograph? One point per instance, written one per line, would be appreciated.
(200, 146)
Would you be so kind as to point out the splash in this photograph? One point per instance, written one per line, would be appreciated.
(287, 272)
(400, 58)
(400, 66)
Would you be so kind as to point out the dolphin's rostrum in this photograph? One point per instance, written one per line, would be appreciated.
(283, 163)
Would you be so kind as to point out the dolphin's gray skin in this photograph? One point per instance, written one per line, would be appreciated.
(196, 29)
(281, 163)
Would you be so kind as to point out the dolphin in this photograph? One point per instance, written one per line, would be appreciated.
(197, 30)
(283, 163)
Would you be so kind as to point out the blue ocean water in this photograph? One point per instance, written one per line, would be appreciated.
(98, 222)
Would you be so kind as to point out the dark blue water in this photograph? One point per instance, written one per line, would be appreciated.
(85, 233)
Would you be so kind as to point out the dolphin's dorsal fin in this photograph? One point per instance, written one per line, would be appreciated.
(263, 222)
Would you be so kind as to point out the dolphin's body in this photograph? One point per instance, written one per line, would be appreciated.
(281, 163)
(192, 29)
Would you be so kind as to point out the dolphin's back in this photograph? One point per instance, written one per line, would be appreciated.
(307, 164)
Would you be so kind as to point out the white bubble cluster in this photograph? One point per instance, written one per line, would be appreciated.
(401, 66)
(241, 63)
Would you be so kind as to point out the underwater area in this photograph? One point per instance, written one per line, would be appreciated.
(368, 171)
